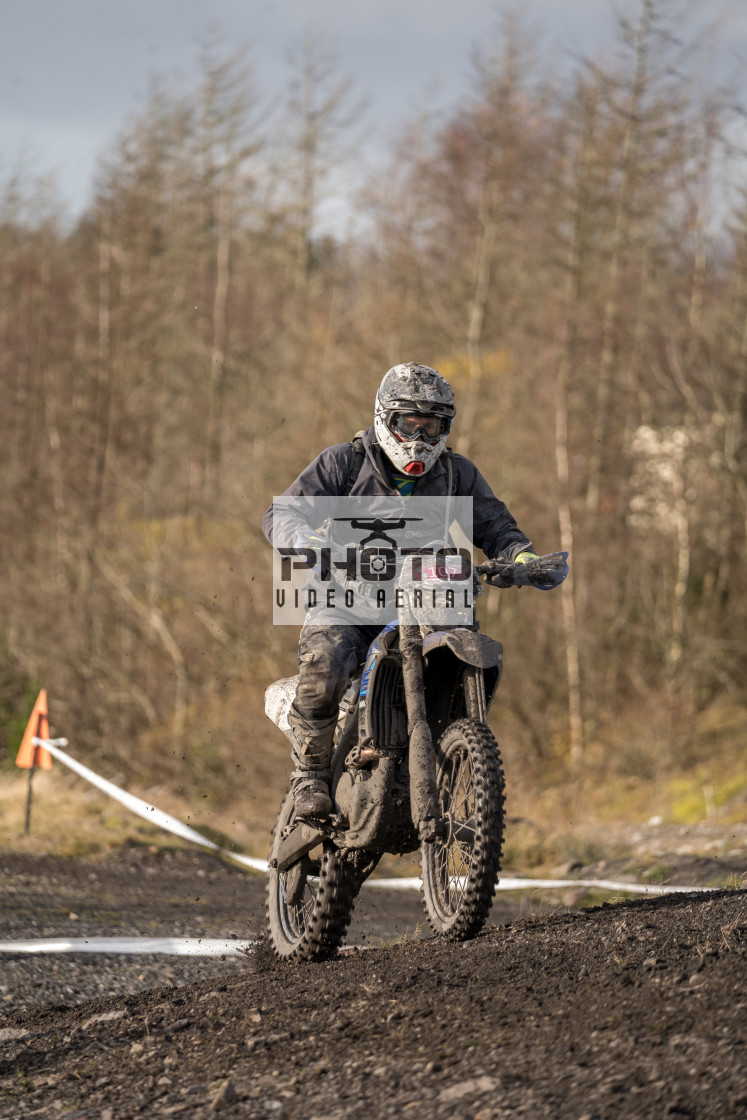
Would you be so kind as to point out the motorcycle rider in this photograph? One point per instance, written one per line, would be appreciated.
(404, 452)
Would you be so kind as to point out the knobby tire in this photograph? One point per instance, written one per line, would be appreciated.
(313, 929)
(459, 875)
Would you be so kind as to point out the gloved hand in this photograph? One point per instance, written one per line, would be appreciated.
(556, 564)
(527, 569)
(314, 538)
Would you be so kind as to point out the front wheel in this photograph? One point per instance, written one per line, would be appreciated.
(309, 905)
(460, 870)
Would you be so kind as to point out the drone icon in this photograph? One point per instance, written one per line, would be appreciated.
(377, 526)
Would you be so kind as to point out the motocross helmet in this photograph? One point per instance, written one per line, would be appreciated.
(414, 413)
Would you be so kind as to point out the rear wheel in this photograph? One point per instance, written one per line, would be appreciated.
(309, 905)
(460, 870)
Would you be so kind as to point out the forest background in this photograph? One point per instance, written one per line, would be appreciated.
(564, 250)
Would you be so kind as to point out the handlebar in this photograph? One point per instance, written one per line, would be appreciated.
(544, 572)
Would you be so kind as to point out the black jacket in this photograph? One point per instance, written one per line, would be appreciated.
(493, 528)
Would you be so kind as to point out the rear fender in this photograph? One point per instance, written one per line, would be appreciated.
(302, 838)
(278, 699)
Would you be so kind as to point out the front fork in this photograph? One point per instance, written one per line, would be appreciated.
(424, 808)
(474, 691)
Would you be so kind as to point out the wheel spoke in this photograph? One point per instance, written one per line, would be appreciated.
(459, 873)
(309, 905)
(457, 799)
(296, 916)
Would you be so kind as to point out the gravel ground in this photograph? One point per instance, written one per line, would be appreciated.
(154, 892)
(633, 1009)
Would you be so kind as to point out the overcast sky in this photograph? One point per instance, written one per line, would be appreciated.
(72, 70)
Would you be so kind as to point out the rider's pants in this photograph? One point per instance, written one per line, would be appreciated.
(327, 658)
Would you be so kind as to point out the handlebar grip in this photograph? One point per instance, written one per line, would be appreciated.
(545, 572)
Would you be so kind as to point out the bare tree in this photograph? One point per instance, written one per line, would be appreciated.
(317, 140)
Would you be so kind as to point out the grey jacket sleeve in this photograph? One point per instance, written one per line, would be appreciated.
(493, 528)
(324, 477)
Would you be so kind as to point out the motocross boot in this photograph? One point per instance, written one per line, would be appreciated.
(312, 754)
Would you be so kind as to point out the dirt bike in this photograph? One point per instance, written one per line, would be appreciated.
(415, 766)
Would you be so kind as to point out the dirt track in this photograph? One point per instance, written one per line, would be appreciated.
(629, 1010)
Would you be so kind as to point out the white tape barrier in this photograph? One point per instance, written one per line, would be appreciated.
(142, 808)
(550, 884)
(171, 824)
(174, 946)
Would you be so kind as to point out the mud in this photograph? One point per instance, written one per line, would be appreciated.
(631, 1009)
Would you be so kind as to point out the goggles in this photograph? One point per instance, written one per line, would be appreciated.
(416, 425)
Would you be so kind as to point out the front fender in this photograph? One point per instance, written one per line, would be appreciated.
(468, 645)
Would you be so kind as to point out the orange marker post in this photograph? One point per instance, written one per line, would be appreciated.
(30, 754)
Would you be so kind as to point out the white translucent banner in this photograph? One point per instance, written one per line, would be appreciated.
(366, 561)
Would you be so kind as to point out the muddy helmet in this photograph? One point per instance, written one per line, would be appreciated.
(414, 413)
